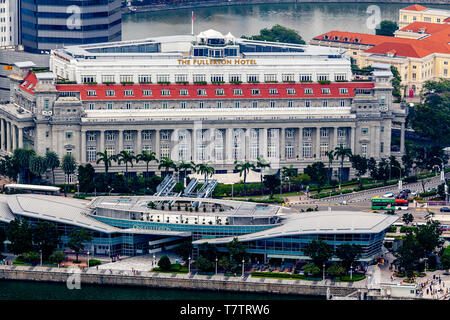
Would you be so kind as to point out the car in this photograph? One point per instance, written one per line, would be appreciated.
(407, 191)
(431, 189)
(445, 209)
(388, 195)
(415, 193)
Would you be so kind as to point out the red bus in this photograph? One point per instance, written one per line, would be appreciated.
(401, 204)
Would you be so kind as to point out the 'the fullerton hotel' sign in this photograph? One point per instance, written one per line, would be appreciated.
(203, 62)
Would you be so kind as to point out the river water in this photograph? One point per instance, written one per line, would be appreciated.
(309, 19)
(27, 290)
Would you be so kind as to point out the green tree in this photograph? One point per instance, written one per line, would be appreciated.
(164, 263)
(372, 167)
(387, 28)
(106, 159)
(407, 218)
(278, 34)
(408, 161)
(342, 152)
(38, 165)
(86, 175)
(360, 165)
(396, 83)
(20, 233)
(237, 251)
(330, 155)
(203, 264)
(57, 257)
(69, 165)
(185, 166)
(167, 164)
(208, 251)
(271, 182)
(429, 237)
(407, 255)
(319, 252)
(261, 164)
(31, 257)
(244, 167)
(46, 237)
(52, 162)
(147, 158)
(311, 268)
(184, 249)
(206, 169)
(288, 173)
(9, 167)
(22, 158)
(225, 263)
(318, 174)
(383, 170)
(77, 238)
(336, 270)
(348, 254)
(126, 157)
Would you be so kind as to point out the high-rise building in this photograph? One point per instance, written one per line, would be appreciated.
(51, 24)
(9, 22)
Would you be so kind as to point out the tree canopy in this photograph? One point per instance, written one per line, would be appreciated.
(387, 28)
(319, 252)
(278, 33)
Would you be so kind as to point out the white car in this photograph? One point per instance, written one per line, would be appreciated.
(388, 195)
(415, 193)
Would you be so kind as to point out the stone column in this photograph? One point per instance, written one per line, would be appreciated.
(402, 138)
(352, 139)
(229, 144)
(282, 144)
(300, 143)
(8, 136)
(120, 141)
(317, 143)
(14, 136)
(102, 141)
(20, 137)
(263, 145)
(335, 138)
(158, 144)
(138, 142)
(174, 145)
(2, 134)
(83, 147)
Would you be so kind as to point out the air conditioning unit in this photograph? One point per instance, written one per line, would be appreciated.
(47, 113)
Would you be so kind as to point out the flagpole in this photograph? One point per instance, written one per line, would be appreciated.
(192, 23)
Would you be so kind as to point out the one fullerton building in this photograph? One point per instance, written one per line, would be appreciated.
(203, 98)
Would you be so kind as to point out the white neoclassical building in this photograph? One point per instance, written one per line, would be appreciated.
(202, 98)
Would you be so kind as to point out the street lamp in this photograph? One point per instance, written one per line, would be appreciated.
(216, 265)
(351, 271)
(243, 261)
(154, 258)
(426, 259)
(40, 251)
(189, 266)
(87, 258)
(323, 267)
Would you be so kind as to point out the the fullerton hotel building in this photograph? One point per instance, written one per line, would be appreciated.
(203, 98)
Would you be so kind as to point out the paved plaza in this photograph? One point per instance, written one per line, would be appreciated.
(138, 263)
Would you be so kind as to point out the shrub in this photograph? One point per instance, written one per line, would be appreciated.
(164, 263)
(31, 257)
(94, 262)
(57, 257)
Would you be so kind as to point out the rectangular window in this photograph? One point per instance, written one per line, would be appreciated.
(307, 150)
(199, 77)
(91, 106)
(69, 135)
(146, 93)
(163, 78)
(165, 92)
(255, 92)
(325, 103)
(184, 92)
(270, 78)
(201, 105)
(183, 104)
(217, 78)
(289, 151)
(343, 91)
(381, 147)
(165, 135)
(146, 135)
(272, 104)
(255, 104)
(287, 77)
(87, 79)
(128, 105)
(201, 92)
(273, 91)
(145, 78)
(364, 131)
(323, 148)
(165, 105)
(237, 104)
(307, 103)
(126, 78)
(110, 93)
(109, 106)
(364, 150)
(252, 78)
(146, 105)
(107, 78)
(219, 104)
(91, 137)
(306, 77)
(290, 91)
(326, 91)
(290, 104)
(307, 134)
(181, 78)
(220, 92)
(235, 78)
(342, 103)
(91, 93)
(128, 93)
(323, 77)
(237, 92)
(128, 136)
(290, 133)
(340, 77)
(110, 136)
(324, 133)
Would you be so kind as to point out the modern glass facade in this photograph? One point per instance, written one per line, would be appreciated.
(51, 24)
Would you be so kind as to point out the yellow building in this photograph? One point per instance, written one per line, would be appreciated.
(418, 13)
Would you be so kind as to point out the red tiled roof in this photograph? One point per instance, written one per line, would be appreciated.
(29, 83)
(362, 38)
(428, 27)
(415, 7)
(211, 91)
(412, 48)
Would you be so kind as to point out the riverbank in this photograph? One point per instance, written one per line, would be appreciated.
(217, 283)
(219, 3)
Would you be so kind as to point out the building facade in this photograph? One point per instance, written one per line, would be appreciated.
(289, 122)
(50, 24)
(9, 23)
(418, 13)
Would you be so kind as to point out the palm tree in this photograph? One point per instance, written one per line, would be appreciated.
(342, 153)
(330, 155)
(147, 158)
(126, 157)
(244, 167)
(38, 165)
(204, 168)
(22, 158)
(52, 161)
(106, 159)
(290, 173)
(69, 166)
(168, 164)
(261, 164)
(185, 166)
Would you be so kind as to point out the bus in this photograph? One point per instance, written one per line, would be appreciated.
(401, 204)
(30, 188)
(383, 204)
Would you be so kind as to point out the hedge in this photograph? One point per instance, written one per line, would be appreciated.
(94, 262)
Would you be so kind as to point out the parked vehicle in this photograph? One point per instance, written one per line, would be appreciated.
(388, 195)
(445, 209)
